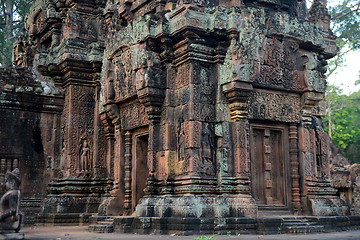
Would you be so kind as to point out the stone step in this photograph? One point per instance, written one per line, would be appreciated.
(103, 225)
(109, 220)
(296, 225)
(297, 221)
(101, 228)
(303, 229)
(272, 213)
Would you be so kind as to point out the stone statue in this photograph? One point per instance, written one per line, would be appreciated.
(10, 215)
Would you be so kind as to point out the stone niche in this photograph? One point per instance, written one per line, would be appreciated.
(179, 109)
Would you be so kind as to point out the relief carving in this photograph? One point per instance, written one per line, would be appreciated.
(274, 106)
(321, 154)
(207, 150)
(37, 25)
(309, 166)
(85, 163)
(192, 134)
(133, 115)
(236, 65)
(181, 141)
(206, 144)
(124, 76)
(219, 67)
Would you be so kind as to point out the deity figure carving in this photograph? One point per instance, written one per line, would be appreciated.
(10, 215)
(206, 144)
(85, 156)
(206, 151)
(181, 141)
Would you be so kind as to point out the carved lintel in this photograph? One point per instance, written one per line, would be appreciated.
(238, 93)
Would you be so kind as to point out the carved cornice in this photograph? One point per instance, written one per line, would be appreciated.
(108, 125)
(152, 98)
(197, 49)
(77, 72)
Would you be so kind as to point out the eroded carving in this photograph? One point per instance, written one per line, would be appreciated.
(274, 106)
(10, 216)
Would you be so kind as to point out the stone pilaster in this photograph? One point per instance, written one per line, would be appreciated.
(238, 93)
(294, 168)
(128, 175)
(110, 140)
(317, 194)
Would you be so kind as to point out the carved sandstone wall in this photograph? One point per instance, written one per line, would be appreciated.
(181, 108)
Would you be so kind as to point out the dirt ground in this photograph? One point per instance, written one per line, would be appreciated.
(80, 232)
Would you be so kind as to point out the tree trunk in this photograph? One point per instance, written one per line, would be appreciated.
(9, 19)
(329, 118)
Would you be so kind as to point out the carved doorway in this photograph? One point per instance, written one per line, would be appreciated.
(270, 185)
(139, 167)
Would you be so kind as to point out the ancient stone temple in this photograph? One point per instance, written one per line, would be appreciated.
(172, 110)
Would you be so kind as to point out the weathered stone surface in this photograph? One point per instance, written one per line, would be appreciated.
(194, 109)
(10, 216)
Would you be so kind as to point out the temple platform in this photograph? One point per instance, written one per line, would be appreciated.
(285, 224)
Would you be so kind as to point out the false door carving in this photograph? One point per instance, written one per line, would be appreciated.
(139, 167)
(269, 165)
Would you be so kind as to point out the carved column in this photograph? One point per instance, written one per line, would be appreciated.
(294, 168)
(307, 148)
(152, 98)
(238, 92)
(316, 187)
(110, 154)
(109, 135)
(128, 168)
(117, 153)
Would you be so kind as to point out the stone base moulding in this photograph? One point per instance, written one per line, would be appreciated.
(201, 206)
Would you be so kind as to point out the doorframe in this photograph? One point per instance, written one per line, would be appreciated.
(284, 128)
(139, 133)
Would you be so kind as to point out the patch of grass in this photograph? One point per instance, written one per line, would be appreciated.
(205, 237)
(280, 227)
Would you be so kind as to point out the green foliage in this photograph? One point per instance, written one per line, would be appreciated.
(343, 117)
(206, 238)
(345, 23)
(280, 226)
(342, 120)
(12, 19)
